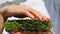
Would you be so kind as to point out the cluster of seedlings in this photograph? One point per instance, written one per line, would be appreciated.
(27, 25)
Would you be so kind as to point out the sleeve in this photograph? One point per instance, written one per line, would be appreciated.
(5, 2)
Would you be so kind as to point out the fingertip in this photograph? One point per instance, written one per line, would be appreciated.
(43, 19)
(48, 19)
(35, 18)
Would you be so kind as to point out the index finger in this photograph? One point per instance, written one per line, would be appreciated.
(36, 14)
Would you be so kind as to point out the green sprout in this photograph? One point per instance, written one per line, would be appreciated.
(27, 25)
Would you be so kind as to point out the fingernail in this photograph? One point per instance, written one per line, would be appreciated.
(35, 18)
(43, 19)
(48, 19)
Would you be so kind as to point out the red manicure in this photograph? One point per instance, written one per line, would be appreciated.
(48, 19)
(42, 19)
(35, 18)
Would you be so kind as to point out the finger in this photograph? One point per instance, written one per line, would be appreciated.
(45, 19)
(35, 18)
(48, 19)
(35, 13)
(52, 32)
(29, 14)
(40, 16)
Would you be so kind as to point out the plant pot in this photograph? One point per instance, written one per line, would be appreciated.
(27, 27)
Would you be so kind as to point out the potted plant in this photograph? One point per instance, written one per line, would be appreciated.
(27, 26)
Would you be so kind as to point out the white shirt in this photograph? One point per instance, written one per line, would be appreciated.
(50, 8)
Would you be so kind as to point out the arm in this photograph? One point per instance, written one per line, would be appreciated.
(1, 23)
(2, 19)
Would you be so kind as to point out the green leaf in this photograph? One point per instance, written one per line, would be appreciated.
(27, 25)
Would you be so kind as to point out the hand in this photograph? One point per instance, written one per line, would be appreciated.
(52, 32)
(18, 11)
